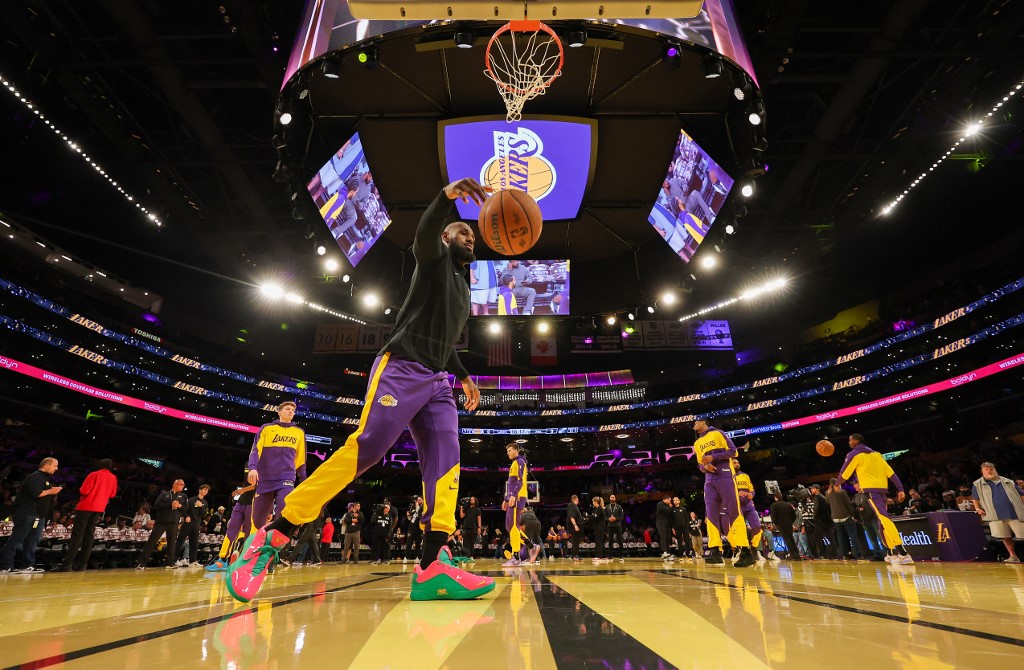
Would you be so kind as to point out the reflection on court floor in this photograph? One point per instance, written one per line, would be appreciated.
(643, 614)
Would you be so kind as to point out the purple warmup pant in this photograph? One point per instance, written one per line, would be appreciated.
(722, 502)
(266, 503)
(401, 393)
(241, 517)
(753, 519)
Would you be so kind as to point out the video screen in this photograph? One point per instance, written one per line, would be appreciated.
(691, 196)
(344, 192)
(551, 158)
(516, 288)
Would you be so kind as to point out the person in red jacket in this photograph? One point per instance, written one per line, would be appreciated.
(326, 537)
(97, 490)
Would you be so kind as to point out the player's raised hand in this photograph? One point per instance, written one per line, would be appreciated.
(467, 189)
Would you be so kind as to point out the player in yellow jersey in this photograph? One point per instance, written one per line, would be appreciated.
(746, 491)
(714, 450)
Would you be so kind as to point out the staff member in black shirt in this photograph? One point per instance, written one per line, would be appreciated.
(615, 514)
(680, 524)
(471, 522)
(167, 512)
(663, 520)
(31, 509)
(696, 536)
(195, 511)
(383, 522)
(784, 517)
(600, 527)
(574, 524)
(413, 534)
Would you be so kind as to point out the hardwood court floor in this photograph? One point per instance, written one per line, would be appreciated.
(637, 614)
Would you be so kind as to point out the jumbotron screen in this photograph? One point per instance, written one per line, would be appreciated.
(344, 192)
(514, 287)
(691, 196)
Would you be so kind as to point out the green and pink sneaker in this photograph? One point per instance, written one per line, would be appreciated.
(245, 575)
(443, 580)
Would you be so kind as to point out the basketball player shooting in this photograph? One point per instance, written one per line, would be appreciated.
(408, 387)
(715, 450)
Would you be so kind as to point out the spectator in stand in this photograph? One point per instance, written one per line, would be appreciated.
(784, 517)
(663, 520)
(845, 523)
(142, 516)
(98, 488)
(964, 502)
(195, 511)
(326, 538)
(1000, 502)
(916, 504)
(31, 509)
(353, 521)
(168, 508)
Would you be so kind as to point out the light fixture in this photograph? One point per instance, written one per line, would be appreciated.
(708, 261)
(494, 327)
(368, 57)
(331, 68)
(566, 439)
(272, 290)
(475, 440)
(346, 278)
(622, 436)
(285, 118)
(747, 190)
(542, 327)
(712, 66)
(631, 316)
(730, 229)
(331, 264)
(650, 309)
(371, 299)
(520, 441)
(577, 38)
(321, 250)
(755, 114)
(610, 320)
(671, 56)
(742, 92)
(668, 298)
(387, 311)
(464, 39)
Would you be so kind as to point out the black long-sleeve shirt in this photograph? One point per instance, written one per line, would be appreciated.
(162, 510)
(437, 306)
(663, 514)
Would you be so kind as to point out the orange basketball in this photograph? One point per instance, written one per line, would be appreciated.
(510, 222)
(825, 448)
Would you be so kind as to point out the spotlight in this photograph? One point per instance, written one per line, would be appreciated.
(610, 320)
(321, 250)
(285, 119)
(542, 327)
(668, 298)
(331, 68)
(346, 278)
(730, 229)
(387, 311)
(742, 92)
(631, 316)
(671, 56)
(272, 291)
(755, 114)
(577, 38)
(331, 264)
(371, 300)
(494, 327)
(368, 57)
(747, 190)
(650, 309)
(708, 261)
(712, 66)
(464, 39)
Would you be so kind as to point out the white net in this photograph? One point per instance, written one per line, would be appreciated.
(522, 65)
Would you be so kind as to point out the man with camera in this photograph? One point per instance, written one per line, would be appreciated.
(30, 512)
(469, 513)
(413, 534)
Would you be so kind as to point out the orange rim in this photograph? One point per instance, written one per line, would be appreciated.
(525, 27)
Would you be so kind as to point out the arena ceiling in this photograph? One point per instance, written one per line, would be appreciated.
(177, 100)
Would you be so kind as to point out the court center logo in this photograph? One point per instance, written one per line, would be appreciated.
(519, 162)
(388, 400)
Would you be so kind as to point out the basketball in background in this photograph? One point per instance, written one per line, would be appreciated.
(510, 222)
(825, 448)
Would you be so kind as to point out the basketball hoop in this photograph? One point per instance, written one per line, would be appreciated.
(523, 59)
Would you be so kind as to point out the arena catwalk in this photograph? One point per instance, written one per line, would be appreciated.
(638, 614)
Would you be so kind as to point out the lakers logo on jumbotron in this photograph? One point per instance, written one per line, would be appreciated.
(519, 163)
(388, 400)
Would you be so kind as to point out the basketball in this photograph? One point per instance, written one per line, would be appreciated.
(825, 448)
(510, 222)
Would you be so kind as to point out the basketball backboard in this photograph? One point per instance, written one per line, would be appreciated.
(510, 10)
